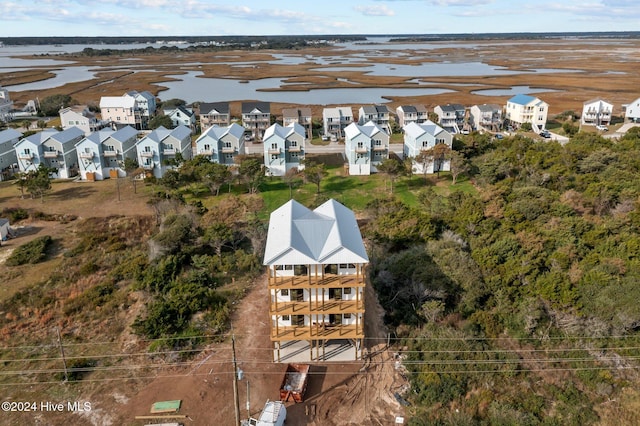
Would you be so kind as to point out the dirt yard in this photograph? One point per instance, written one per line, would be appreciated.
(357, 393)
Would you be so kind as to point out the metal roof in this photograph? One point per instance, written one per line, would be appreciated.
(9, 135)
(219, 107)
(284, 131)
(117, 102)
(415, 130)
(299, 236)
(369, 129)
(216, 132)
(249, 107)
(522, 99)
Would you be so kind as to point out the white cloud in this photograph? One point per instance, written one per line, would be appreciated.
(374, 10)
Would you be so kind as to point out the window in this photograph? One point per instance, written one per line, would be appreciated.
(109, 148)
(147, 149)
(284, 292)
(274, 156)
(227, 144)
(346, 316)
(346, 290)
(293, 144)
(286, 318)
(294, 155)
(207, 147)
(361, 155)
(274, 146)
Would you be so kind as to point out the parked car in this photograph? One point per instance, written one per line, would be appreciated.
(602, 127)
(325, 137)
(499, 136)
(545, 134)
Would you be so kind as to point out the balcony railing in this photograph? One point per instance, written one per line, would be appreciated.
(317, 331)
(379, 147)
(50, 154)
(311, 281)
(169, 151)
(110, 153)
(146, 154)
(273, 151)
(87, 155)
(362, 149)
(25, 156)
(296, 148)
(228, 149)
(206, 152)
(312, 307)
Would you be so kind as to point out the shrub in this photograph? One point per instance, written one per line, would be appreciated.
(32, 252)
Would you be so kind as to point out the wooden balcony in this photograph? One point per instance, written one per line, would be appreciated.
(51, 154)
(317, 331)
(228, 149)
(296, 148)
(87, 155)
(361, 149)
(310, 307)
(379, 147)
(25, 156)
(110, 153)
(274, 151)
(311, 281)
(169, 151)
(205, 152)
(146, 154)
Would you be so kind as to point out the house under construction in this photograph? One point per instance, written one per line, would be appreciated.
(315, 261)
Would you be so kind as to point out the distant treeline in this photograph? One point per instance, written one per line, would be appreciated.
(21, 41)
(514, 36)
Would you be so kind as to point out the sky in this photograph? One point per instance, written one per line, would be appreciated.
(22, 18)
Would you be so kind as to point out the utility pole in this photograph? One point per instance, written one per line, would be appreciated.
(236, 399)
(248, 402)
(64, 361)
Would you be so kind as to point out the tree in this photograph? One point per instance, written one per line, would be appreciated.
(408, 166)
(214, 175)
(172, 103)
(42, 124)
(459, 165)
(51, 105)
(132, 169)
(22, 183)
(440, 153)
(161, 120)
(391, 168)
(26, 124)
(38, 181)
(425, 159)
(314, 173)
(251, 172)
(291, 178)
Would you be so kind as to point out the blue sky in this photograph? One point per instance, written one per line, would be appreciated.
(262, 17)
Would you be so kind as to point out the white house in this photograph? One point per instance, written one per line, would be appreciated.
(411, 114)
(102, 153)
(221, 144)
(146, 104)
(365, 147)
(378, 114)
(451, 117)
(301, 116)
(6, 105)
(522, 109)
(8, 157)
(486, 116)
(632, 111)
(283, 148)
(214, 114)
(181, 116)
(315, 261)
(596, 112)
(121, 111)
(162, 145)
(52, 148)
(256, 118)
(422, 137)
(79, 116)
(335, 120)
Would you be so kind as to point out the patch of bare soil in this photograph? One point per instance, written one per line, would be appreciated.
(358, 393)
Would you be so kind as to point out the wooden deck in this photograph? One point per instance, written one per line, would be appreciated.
(317, 307)
(307, 281)
(317, 332)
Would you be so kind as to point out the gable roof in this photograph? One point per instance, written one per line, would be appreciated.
(249, 107)
(368, 129)
(179, 108)
(296, 112)
(284, 131)
(408, 108)
(415, 130)
(162, 133)
(217, 132)
(125, 133)
(9, 135)
(328, 234)
(219, 107)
